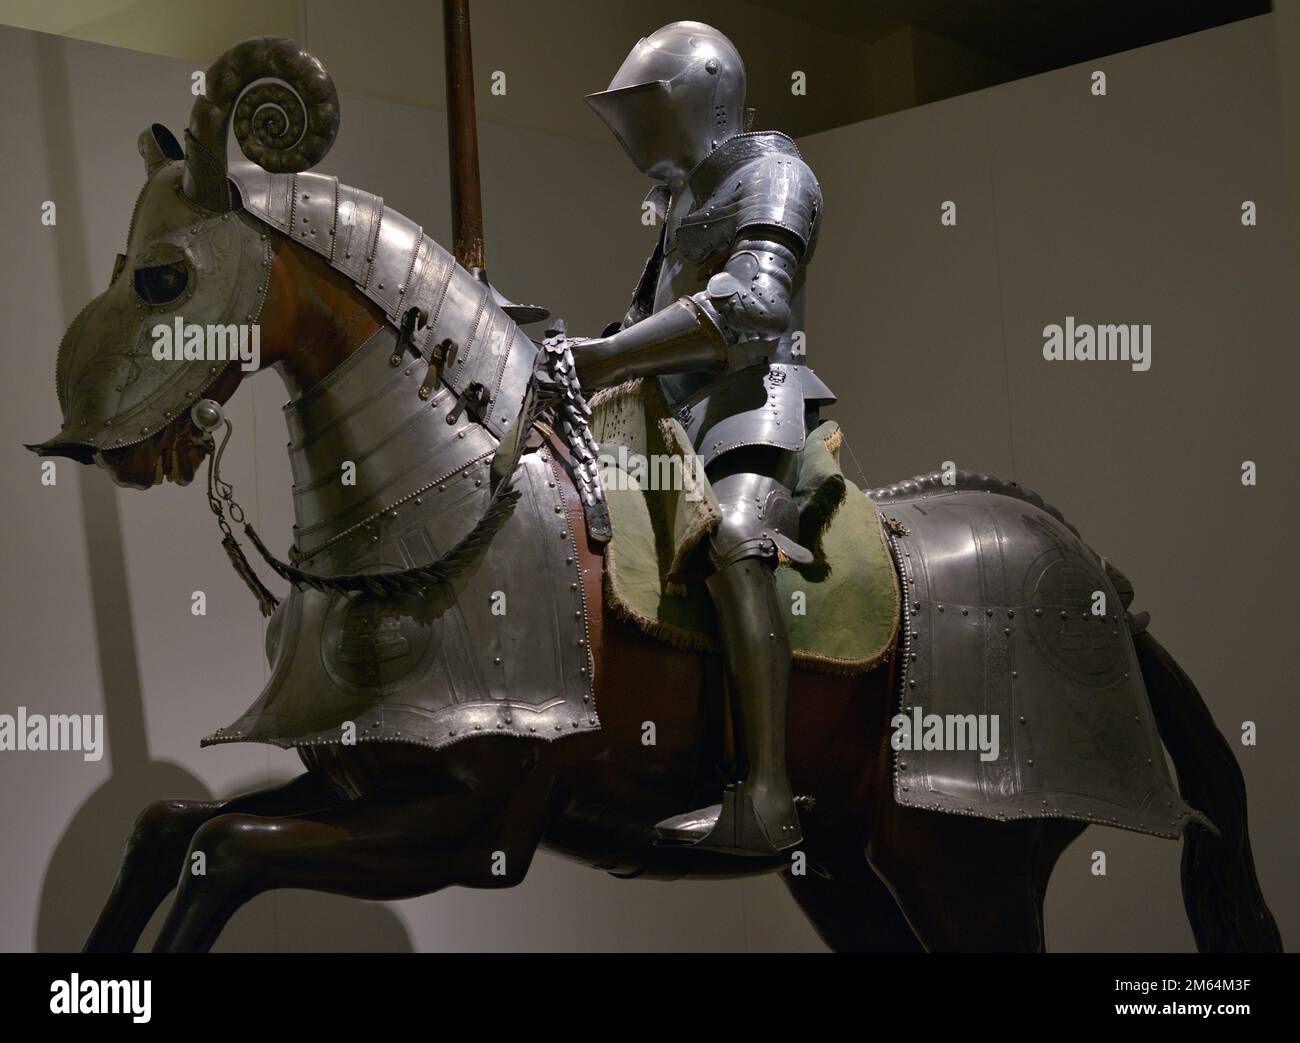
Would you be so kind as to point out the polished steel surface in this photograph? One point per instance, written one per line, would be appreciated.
(999, 622)
(503, 649)
(112, 391)
(398, 267)
(677, 95)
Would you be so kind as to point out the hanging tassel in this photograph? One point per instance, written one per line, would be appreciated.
(266, 601)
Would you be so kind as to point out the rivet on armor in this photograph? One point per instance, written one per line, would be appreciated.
(1006, 630)
(965, 612)
(988, 612)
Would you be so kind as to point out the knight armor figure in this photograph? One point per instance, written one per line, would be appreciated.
(717, 319)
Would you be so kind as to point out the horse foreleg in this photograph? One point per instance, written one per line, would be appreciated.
(156, 848)
(386, 846)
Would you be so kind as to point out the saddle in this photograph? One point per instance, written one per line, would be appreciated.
(844, 605)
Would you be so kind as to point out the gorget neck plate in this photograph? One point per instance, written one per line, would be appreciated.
(394, 264)
(364, 447)
(718, 164)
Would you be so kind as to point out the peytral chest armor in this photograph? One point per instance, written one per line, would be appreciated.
(391, 467)
(750, 182)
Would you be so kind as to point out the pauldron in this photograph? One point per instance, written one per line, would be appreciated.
(755, 180)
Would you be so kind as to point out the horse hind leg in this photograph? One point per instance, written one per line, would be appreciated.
(156, 847)
(849, 906)
(970, 884)
(395, 844)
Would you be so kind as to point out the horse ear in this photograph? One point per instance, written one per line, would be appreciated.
(157, 145)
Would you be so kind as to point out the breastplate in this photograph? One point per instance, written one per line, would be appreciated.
(683, 276)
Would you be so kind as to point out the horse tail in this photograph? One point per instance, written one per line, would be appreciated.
(1220, 890)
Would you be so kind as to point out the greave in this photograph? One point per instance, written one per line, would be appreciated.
(756, 650)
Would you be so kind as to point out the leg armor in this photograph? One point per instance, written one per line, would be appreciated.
(757, 814)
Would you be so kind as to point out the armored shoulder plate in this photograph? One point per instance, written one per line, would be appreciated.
(750, 180)
(1021, 695)
(390, 260)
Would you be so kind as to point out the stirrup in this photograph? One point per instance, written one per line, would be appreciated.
(732, 827)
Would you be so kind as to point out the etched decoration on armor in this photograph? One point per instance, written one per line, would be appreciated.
(370, 640)
(997, 590)
(1079, 643)
(444, 622)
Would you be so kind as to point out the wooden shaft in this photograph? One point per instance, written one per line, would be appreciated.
(462, 137)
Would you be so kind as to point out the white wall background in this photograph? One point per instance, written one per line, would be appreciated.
(1119, 209)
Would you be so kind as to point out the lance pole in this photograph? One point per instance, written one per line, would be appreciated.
(462, 137)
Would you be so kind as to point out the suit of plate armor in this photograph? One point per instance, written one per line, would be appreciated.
(717, 318)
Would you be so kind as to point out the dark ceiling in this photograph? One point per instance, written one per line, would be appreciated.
(1030, 36)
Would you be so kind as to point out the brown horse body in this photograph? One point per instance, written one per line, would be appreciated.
(387, 821)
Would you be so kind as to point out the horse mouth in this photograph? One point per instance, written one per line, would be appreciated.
(173, 454)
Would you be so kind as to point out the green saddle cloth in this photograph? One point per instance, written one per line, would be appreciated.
(843, 608)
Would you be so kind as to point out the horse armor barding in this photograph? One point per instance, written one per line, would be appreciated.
(1008, 614)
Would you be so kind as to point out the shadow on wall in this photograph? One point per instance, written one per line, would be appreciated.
(81, 870)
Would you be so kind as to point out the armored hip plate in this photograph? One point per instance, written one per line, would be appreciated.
(501, 649)
(1012, 631)
(760, 405)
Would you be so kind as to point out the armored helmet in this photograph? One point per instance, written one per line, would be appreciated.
(194, 257)
(678, 95)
